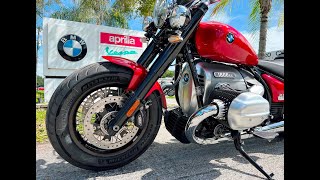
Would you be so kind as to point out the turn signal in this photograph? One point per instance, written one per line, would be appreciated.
(175, 38)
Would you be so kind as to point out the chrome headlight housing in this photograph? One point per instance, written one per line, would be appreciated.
(161, 10)
(180, 16)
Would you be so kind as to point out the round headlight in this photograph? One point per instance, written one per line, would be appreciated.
(180, 16)
(161, 11)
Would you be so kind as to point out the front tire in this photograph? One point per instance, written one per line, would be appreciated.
(62, 113)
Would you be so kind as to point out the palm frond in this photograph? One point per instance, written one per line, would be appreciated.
(221, 6)
(281, 14)
(116, 19)
(146, 7)
(281, 19)
(278, 2)
(254, 19)
(277, 11)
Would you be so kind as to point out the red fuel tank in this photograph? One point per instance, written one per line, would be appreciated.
(220, 42)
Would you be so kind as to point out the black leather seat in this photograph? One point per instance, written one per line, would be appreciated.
(275, 67)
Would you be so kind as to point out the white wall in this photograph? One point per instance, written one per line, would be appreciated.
(50, 84)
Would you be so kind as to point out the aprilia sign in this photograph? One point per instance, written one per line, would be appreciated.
(123, 40)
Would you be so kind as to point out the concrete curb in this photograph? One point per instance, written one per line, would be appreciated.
(41, 106)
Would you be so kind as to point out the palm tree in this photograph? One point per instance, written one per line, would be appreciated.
(95, 12)
(146, 10)
(259, 7)
(41, 5)
(103, 12)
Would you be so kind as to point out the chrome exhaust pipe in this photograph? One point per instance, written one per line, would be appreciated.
(245, 111)
(196, 118)
(271, 126)
(264, 128)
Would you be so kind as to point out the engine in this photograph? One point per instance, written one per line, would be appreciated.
(232, 100)
(213, 76)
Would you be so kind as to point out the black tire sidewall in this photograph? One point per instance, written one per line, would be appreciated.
(67, 146)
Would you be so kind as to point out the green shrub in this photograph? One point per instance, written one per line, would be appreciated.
(39, 94)
(41, 133)
(168, 73)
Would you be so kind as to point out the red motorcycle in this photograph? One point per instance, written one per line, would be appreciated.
(105, 115)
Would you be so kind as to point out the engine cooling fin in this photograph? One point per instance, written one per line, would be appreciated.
(277, 110)
(226, 96)
(175, 123)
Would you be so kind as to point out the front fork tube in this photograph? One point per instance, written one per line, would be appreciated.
(199, 90)
(157, 69)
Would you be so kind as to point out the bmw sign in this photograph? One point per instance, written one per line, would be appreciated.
(72, 47)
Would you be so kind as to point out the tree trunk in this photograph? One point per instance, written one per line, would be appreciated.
(263, 35)
(265, 6)
(99, 19)
(37, 46)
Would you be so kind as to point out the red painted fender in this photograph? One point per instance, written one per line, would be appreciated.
(139, 73)
(276, 86)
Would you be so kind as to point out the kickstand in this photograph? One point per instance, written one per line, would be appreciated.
(237, 142)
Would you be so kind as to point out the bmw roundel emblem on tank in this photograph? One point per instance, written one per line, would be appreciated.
(186, 77)
(230, 37)
(72, 47)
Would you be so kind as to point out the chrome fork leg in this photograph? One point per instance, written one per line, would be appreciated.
(236, 136)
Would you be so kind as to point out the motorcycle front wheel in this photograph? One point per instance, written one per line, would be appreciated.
(81, 108)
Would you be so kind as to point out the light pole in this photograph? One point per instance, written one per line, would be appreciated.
(38, 29)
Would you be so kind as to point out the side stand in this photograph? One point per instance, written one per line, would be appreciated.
(236, 136)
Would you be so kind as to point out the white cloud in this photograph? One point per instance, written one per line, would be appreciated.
(222, 17)
(275, 39)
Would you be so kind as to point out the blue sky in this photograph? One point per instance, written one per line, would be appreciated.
(237, 17)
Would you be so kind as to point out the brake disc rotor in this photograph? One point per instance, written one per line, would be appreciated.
(95, 132)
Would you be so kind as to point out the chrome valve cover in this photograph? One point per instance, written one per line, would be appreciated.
(247, 110)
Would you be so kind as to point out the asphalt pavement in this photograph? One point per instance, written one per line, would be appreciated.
(169, 159)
